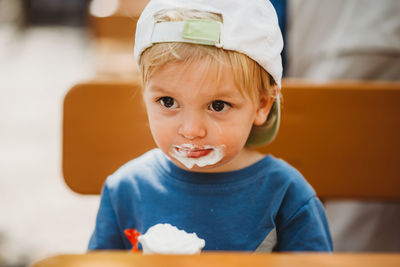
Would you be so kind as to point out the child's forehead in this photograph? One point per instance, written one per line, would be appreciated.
(212, 77)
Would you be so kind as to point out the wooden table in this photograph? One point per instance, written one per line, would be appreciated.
(122, 259)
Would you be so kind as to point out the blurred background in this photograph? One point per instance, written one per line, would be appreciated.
(47, 46)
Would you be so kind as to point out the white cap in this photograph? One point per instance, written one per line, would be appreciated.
(248, 26)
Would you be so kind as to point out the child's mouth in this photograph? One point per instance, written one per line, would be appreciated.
(194, 153)
(190, 155)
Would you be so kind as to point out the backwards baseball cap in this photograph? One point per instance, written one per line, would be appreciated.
(249, 27)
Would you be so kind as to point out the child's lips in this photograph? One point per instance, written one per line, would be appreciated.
(200, 155)
(196, 153)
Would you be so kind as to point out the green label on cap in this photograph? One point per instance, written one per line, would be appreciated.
(204, 31)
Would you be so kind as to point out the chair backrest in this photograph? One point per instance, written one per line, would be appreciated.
(104, 125)
(343, 137)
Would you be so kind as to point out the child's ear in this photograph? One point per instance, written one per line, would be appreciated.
(264, 107)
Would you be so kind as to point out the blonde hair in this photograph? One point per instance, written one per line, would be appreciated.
(250, 77)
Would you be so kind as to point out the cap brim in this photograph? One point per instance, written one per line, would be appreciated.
(265, 134)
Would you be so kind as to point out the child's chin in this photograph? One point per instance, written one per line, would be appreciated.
(195, 167)
(217, 167)
(205, 168)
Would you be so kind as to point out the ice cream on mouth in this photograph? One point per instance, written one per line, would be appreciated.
(168, 239)
(190, 155)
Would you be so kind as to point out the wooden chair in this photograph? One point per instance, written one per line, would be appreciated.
(104, 125)
(343, 137)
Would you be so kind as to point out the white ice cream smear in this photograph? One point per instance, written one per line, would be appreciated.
(167, 239)
(179, 152)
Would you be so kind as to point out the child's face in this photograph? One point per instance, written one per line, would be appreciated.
(202, 124)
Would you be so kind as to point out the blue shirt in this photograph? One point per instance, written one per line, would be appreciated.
(267, 206)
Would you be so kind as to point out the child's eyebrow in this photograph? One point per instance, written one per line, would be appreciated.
(224, 93)
(228, 94)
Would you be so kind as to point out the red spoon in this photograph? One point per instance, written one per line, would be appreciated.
(132, 235)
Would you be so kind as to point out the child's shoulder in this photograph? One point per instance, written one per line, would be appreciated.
(289, 186)
(281, 173)
(135, 169)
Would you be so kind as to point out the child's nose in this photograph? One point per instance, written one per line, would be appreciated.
(192, 127)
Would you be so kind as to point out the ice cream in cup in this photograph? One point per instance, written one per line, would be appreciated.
(168, 239)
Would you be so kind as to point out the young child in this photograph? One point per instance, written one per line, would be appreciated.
(211, 74)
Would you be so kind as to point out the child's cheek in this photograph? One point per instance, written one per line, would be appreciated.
(158, 130)
(234, 142)
(217, 129)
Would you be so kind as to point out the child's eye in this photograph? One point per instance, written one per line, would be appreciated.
(219, 105)
(168, 102)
